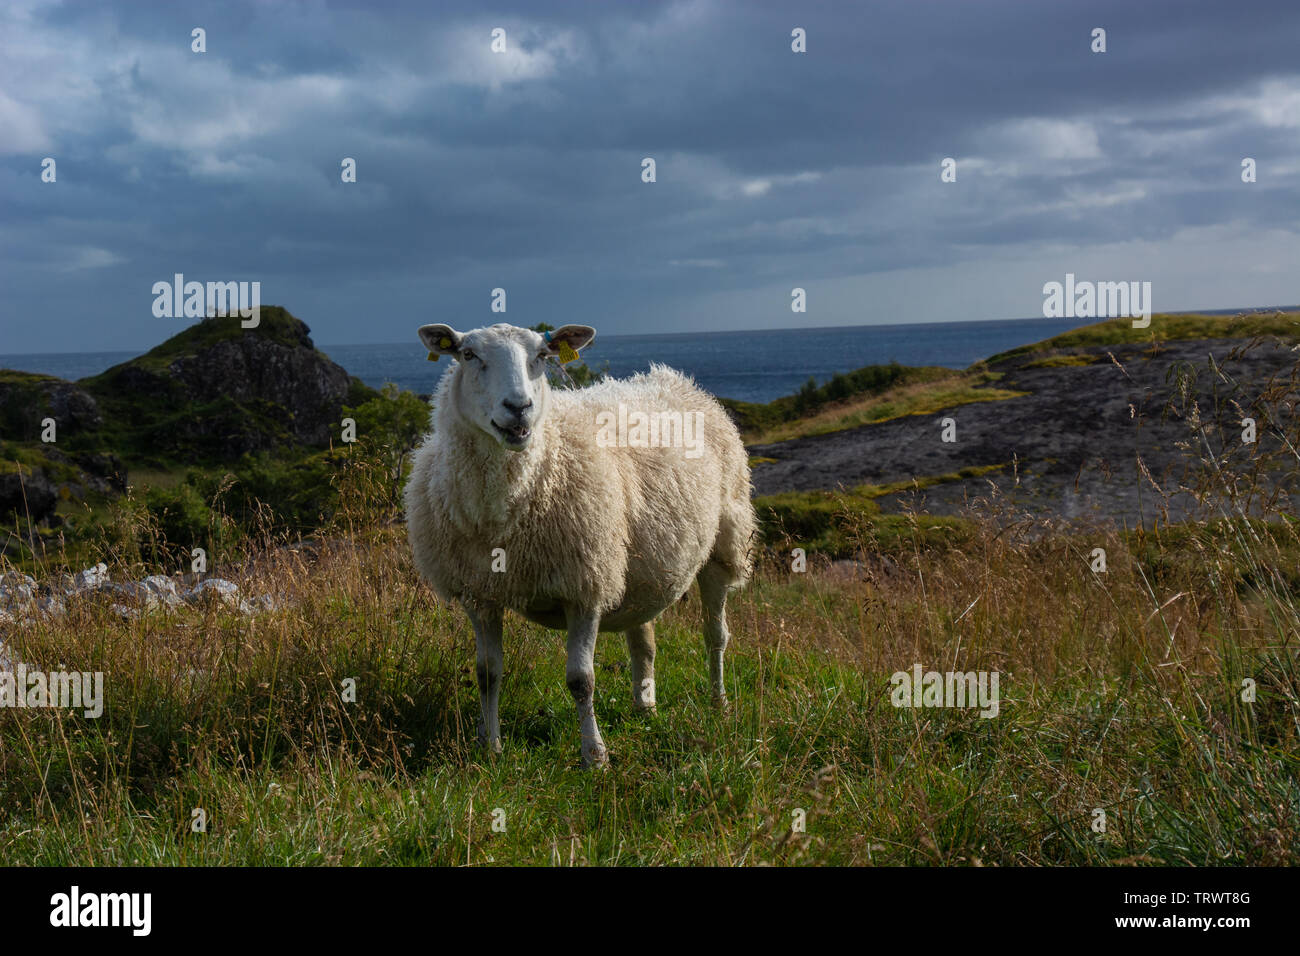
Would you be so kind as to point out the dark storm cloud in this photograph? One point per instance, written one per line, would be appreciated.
(523, 170)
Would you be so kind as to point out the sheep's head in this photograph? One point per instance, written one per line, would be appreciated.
(501, 386)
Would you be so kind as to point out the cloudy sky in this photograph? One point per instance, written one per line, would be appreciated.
(522, 169)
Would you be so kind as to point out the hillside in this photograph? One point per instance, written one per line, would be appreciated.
(1063, 424)
(216, 391)
(219, 424)
(217, 410)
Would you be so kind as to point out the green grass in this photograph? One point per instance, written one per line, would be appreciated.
(244, 720)
(1166, 327)
(934, 394)
(755, 419)
(835, 523)
(1063, 361)
(15, 456)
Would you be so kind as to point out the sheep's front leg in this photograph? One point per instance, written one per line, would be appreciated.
(580, 675)
(487, 641)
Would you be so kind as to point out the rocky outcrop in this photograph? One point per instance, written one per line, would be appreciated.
(24, 601)
(26, 400)
(207, 396)
(26, 493)
(217, 391)
(304, 383)
(1070, 446)
(31, 488)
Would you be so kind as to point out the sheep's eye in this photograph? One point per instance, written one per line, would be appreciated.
(542, 356)
(467, 355)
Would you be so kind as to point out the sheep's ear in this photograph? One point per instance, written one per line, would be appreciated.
(576, 337)
(440, 340)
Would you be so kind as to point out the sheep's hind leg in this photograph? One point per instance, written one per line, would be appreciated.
(641, 649)
(715, 580)
(580, 675)
(487, 640)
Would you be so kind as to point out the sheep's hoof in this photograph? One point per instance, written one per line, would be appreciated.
(721, 704)
(595, 756)
(491, 746)
(648, 709)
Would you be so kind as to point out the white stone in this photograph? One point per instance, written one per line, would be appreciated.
(91, 578)
(160, 585)
(215, 589)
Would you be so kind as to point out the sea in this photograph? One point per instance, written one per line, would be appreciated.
(755, 366)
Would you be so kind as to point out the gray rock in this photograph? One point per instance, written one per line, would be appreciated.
(258, 389)
(72, 407)
(27, 493)
(160, 591)
(128, 591)
(91, 579)
(269, 602)
(17, 589)
(27, 398)
(159, 584)
(103, 471)
(215, 589)
(1067, 447)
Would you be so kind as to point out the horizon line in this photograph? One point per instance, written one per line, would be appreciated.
(807, 328)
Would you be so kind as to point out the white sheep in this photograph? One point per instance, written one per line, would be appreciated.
(589, 509)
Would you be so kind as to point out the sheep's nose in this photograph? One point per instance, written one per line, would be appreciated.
(515, 408)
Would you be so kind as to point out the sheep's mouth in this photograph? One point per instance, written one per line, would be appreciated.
(513, 434)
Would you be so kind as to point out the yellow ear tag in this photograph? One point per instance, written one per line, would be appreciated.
(443, 343)
(567, 354)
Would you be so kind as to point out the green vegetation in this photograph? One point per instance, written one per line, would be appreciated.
(275, 325)
(219, 470)
(15, 456)
(756, 418)
(838, 523)
(1119, 691)
(227, 509)
(935, 390)
(23, 403)
(1063, 361)
(155, 418)
(1167, 327)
